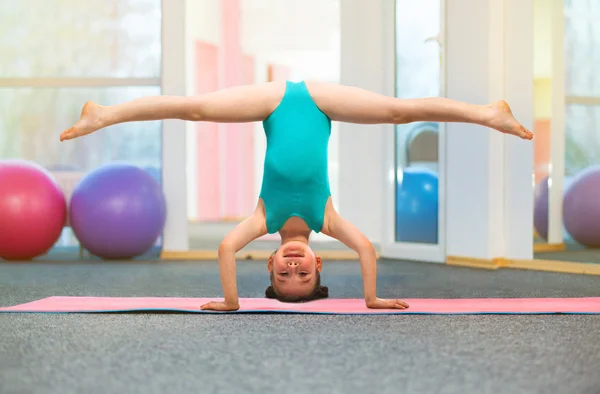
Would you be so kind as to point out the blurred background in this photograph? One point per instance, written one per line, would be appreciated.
(567, 116)
(57, 54)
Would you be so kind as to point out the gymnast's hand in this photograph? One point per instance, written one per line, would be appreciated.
(220, 306)
(379, 303)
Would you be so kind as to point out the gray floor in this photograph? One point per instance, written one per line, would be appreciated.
(177, 353)
(208, 236)
(590, 256)
(574, 252)
(208, 244)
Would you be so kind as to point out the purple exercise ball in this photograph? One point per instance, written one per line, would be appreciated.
(118, 211)
(540, 208)
(581, 208)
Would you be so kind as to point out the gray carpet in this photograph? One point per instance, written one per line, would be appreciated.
(573, 253)
(174, 353)
(208, 244)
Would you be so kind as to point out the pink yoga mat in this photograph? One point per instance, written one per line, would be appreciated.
(327, 306)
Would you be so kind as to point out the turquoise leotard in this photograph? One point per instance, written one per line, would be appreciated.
(296, 180)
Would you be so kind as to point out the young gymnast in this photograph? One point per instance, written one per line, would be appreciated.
(295, 196)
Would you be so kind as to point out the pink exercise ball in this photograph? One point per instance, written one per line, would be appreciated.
(33, 210)
(581, 208)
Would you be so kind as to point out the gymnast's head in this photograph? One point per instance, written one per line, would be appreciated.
(295, 273)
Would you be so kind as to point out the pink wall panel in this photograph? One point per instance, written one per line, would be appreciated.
(225, 152)
(247, 199)
(231, 60)
(238, 139)
(276, 72)
(207, 156)
(541, 148)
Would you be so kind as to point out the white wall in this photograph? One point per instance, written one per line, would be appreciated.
(489, 204)
(489, 201)
(360, 146)
(557, 132)
(518, 157)
(542, 48)
(174, 136)
(489, 191)
(470, 159)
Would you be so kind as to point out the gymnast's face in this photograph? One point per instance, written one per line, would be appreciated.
(294, 267)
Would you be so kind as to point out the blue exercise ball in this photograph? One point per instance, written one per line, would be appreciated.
(118, 211)
(417, 206)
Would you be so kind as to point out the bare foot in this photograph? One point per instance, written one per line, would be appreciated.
(91, 119)
(502, 119)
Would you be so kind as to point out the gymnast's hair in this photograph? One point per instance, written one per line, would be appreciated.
(317, 293)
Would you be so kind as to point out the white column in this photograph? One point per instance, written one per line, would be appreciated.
(489, 189)
(557, 125)
(518, 154)
(174, 132)
(360, 146)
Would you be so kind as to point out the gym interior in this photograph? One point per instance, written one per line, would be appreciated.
(139, 209)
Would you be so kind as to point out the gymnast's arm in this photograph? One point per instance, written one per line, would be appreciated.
(345, 232)
(245, 232)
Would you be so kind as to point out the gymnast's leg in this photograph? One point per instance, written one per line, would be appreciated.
(355, 105)
(238, 104)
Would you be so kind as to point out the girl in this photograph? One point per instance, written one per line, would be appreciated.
(295, 197)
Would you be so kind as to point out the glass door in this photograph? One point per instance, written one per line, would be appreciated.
(414, 189)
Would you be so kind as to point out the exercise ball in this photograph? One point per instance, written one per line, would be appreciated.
(417, 206)
(118, 211)
(540, 207)
(581, 208)
(33, 210)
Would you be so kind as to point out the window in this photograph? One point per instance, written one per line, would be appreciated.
(418, 74)
(56, 55)
(582, 85)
